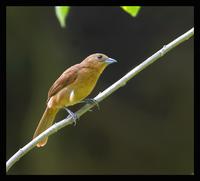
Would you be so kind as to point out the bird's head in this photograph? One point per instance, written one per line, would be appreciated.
(99, 60)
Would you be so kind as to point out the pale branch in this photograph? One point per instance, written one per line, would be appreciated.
(121, 82)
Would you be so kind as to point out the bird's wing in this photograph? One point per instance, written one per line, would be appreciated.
(67, 77)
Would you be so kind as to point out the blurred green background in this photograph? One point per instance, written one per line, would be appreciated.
(145, 127)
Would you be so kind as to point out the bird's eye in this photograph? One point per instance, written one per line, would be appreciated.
(99, 56)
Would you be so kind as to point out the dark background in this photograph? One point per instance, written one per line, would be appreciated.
(145, 127)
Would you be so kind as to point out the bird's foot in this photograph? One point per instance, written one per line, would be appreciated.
(73, 115)
(91, 101)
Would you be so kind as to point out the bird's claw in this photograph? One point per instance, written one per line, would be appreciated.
(92, 101)
(72, 115)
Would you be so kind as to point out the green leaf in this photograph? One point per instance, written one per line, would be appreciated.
(132, 10)
(61, 13)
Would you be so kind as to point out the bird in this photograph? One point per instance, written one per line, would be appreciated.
(71, 88)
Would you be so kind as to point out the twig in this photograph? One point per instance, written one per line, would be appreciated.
(121, 82)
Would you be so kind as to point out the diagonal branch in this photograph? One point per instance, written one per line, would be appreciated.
(120, 83)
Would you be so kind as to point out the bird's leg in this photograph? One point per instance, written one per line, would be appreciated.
(73, 115)
(91, 101)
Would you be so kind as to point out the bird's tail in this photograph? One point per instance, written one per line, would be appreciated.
(45, 122)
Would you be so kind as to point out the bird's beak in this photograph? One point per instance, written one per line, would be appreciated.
(110, 61)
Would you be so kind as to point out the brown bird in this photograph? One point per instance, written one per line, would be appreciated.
(73, 86)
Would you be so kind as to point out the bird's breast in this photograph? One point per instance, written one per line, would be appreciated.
(82, 87)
